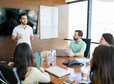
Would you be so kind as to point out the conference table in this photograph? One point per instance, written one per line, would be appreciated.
(75, 70)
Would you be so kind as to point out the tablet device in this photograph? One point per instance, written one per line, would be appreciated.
(61, 51)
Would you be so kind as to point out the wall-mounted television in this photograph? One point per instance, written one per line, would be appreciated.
(9, 19)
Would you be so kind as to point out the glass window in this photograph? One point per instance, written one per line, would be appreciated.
(102, 20)
(78, 18)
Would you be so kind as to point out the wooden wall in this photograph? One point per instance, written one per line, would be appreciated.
(7, 46)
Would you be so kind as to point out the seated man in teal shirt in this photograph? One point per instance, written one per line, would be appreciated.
(77, 46)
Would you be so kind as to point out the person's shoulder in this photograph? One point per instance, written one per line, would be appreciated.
(73, 41)
(17, 27)
(34, 69)
(83, 42)
(29, 26)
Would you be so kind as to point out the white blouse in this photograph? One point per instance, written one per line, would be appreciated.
(34, 76)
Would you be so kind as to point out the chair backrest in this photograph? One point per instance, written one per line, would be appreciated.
(87, 51)
(7, 74)
(16, 75)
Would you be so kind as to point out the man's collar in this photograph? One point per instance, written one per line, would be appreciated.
(78, 42)
(22, 26)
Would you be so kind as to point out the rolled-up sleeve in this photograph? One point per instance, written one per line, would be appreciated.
(31, 33)
(14, 32)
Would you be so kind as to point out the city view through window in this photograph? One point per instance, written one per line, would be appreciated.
(102, 19)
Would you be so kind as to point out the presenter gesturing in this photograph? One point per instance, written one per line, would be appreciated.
(23, 33)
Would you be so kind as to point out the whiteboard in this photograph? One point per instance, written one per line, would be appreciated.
(48, 22)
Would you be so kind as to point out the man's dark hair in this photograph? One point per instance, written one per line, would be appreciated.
(80, 33)
(22, 14)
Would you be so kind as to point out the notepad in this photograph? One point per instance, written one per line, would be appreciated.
(57, 71)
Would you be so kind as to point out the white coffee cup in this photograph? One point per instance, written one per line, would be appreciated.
(84, 73)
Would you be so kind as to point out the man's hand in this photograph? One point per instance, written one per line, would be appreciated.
(15, 38)
(19, 36)
(70, 53)
(34, 36)
(37, 36)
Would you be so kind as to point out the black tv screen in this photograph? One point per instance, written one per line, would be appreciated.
(9, 19)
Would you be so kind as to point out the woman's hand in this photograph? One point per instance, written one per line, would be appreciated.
(41, 69)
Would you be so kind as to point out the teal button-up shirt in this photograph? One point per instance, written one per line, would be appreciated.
(77, 46)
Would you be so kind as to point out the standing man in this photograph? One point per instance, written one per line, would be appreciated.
(23, 32)
(77, 46)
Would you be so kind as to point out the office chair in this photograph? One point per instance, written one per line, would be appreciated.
(8, 75)
(87, 51)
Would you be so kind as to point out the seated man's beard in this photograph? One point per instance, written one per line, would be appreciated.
(75, 39)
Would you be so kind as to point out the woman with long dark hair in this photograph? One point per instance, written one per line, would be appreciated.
(107, 38)
(23, 61)
(102, 65)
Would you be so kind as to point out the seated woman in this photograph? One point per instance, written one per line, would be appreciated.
(102, 65)
(23, 61)
(107, 38)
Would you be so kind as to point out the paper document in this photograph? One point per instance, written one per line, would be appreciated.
(57, 71)
(83, 60)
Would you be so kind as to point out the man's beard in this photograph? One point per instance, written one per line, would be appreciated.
(24, 23)
(75, 39)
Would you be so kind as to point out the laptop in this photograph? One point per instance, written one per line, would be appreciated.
(61, 51)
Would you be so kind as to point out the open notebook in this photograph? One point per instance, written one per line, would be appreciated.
(57, 71)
